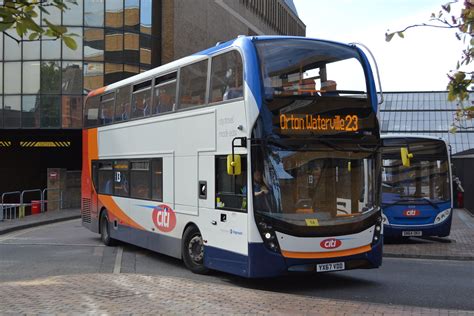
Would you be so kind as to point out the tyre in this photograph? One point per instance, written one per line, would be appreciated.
(105, 230)
(192, 250)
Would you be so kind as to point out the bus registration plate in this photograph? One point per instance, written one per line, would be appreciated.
(411, 233)
(325, 267)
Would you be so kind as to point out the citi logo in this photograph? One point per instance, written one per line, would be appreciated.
(330, 243)
(411, 213)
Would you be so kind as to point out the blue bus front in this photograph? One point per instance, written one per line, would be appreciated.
(314, 159)
(416, 199)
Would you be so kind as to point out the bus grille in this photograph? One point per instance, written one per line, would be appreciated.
(86, 210)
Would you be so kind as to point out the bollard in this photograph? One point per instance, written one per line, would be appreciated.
(21, 211)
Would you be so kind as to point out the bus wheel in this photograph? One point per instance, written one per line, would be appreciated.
(105, 230)
(193, 250)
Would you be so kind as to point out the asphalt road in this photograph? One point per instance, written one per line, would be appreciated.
(68, 248)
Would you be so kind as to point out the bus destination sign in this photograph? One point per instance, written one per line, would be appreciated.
(317, 123)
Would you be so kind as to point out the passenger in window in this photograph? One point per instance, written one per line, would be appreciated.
(329, 87)
(145, 107)
(107, 187)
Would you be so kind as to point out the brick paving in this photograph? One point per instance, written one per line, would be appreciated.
(157, 295)
(459, 245)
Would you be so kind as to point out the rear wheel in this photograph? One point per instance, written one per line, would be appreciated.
(193, 250)
(105, 230)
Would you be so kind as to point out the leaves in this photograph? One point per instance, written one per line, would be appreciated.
(389, 36)
(20, 15)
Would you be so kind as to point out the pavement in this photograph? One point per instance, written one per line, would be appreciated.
(7, 226)
(122, 293)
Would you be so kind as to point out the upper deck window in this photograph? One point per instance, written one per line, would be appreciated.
(91, 113)
(310, 68)
(165, 94)
(226, 77)
(141, 99)
(192, 87)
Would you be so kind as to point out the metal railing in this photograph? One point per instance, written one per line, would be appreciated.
(14, 204)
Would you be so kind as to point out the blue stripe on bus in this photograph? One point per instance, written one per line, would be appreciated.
(225, 261)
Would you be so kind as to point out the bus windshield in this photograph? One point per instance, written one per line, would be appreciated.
(425, 181)
(320, 184)
(314, 88)
(308, 68)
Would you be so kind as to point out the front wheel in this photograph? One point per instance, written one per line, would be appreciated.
(105, 230)
(193, 250)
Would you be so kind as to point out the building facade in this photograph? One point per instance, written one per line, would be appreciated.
(431, 114)
(43, 83)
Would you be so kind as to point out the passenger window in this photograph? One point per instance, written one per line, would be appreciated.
(141, 99)
(165, 94)
(226, 77)
(122, 105)
(157, 179)
(121, 183)
(91, 113)
(107, 108)
(231, 191)
(105, 178)
(192, 86)
(140, 179)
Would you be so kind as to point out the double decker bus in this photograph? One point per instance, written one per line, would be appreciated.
(257, 157)
(417, 195)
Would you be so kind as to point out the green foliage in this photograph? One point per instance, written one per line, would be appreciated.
(460, 81)
(21, 15)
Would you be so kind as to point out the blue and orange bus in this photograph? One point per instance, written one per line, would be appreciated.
(417, 198)
(256, 157)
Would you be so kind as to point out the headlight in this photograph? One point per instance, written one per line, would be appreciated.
(441, 217)
(268, 236)
(385, 220)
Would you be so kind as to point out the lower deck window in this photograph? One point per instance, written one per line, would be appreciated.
(231, 191)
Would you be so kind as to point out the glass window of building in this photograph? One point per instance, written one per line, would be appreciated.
(74, 53)
(50, 48)
(50, 111)
(12, 111)
(50, 77)
(1, 111)
(93, 44)
(132, 15)
(71, 111)
(131, 48)
(192, 85)
(12, 71)
(113, 46)
(12, 47)
(94, 12)
(1, 80)
(31, 77)
(145, 16)
(145, 50)
(113, 73)
(93, 76)
(73, 15)
(30, 114)
(114, 14)
(31, 50)
(72, 77)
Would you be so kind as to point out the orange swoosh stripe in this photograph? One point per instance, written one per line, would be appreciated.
(332, 254)
(114, 209)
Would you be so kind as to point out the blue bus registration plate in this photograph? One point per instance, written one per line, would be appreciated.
(325, 267)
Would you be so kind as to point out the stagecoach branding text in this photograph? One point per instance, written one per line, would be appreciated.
(310, 122)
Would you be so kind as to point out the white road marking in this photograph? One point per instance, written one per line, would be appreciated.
(118, 260)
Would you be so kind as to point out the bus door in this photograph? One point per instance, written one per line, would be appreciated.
(228, 243)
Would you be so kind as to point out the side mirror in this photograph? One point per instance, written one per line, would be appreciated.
(234, 166)
(406, 156)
